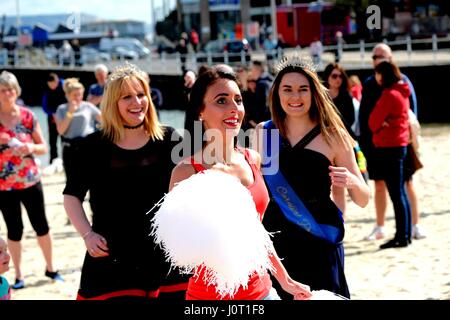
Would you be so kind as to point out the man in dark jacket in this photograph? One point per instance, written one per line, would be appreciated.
(370, 95)
(53, 96)
(260, 110)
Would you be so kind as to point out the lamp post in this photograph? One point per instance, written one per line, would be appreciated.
(18, 22)
(273, 11)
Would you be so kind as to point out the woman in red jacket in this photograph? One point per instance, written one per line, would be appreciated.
(389, 124)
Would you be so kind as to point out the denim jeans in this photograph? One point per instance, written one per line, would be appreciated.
(391, 160)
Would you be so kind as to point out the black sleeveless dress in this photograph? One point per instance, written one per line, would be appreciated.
(308, 259)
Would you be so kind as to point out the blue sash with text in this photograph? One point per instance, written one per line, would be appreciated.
(289, 202)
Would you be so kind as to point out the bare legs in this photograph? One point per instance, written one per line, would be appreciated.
(15, 249)
(380, 201)
(45, 242)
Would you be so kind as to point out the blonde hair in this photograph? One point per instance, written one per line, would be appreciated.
(322, 107)
(9, 80)
(112, 123)
(72, 84)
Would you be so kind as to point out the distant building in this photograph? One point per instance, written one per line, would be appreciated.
(117, 28)
(49, 20)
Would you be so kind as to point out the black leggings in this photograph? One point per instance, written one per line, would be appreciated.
(33, 200)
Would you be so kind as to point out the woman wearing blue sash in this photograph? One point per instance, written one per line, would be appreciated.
(306, 152)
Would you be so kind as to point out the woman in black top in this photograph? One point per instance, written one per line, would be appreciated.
(315, 153)
(336, 80)
(126, 168)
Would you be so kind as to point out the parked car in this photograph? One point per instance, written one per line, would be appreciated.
(217, 49)
(90, 55)
(121, 52)
(131, 44)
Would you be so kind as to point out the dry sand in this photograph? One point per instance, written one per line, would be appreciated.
(420, 271)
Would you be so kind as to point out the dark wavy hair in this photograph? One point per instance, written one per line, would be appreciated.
(390, 73)
(198, 91)
(345, 86)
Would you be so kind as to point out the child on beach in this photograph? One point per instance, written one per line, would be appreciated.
(5, 291)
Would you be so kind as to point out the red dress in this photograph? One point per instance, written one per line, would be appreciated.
(258, 286)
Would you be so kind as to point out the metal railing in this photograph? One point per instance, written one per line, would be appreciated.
(407, 52)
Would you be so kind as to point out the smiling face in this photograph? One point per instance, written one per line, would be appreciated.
(335, 79)
(295, 94)
(223, 108)
(4, 257)
(8, 95)
(133, 102)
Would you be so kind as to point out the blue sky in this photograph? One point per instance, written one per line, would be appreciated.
(107, 9)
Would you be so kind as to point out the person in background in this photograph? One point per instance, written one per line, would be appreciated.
(77, 52)
(194, 39)
(5, 290)
(95, 92)
(182, 49)
(188, 81)
(315, 153)
(260, 111)
(389, 124)
(131, 149)
(75, 120)
(410, 168)
(248, 87)
(316, 50)
(336, 80)
(355, 87)
(20, 182)
(370, 95)
(270, 46)
(53, 96)
(65, 54)
(339, 43)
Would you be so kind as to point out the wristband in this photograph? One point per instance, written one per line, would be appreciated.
(86, 234)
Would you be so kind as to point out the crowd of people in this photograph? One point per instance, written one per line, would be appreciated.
(113, 143)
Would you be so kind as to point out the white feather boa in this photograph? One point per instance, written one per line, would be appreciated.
(210, 220)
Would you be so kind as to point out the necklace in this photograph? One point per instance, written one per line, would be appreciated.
(133, 127)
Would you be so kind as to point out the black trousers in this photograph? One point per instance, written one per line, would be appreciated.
(52, 138)
(33, 200)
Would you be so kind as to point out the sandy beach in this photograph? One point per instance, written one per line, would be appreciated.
(418, 272)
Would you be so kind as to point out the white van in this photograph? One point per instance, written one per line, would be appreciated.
(131, 44)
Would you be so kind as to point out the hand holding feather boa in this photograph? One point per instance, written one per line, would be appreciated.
(210, 220)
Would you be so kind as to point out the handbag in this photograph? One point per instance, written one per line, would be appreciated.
(415, 160)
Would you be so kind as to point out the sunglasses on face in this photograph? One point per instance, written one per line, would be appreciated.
(335, 76)
(375, 57)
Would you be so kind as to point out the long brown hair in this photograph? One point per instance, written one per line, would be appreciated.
(322, 110)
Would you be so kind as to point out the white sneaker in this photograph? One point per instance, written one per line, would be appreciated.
(49, 170)
(376, 234)
(417, 232)
(57, 162)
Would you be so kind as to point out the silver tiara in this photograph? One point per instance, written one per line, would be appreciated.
(124, 70)
(303, 62)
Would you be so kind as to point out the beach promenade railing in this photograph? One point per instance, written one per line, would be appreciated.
(408, 52)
